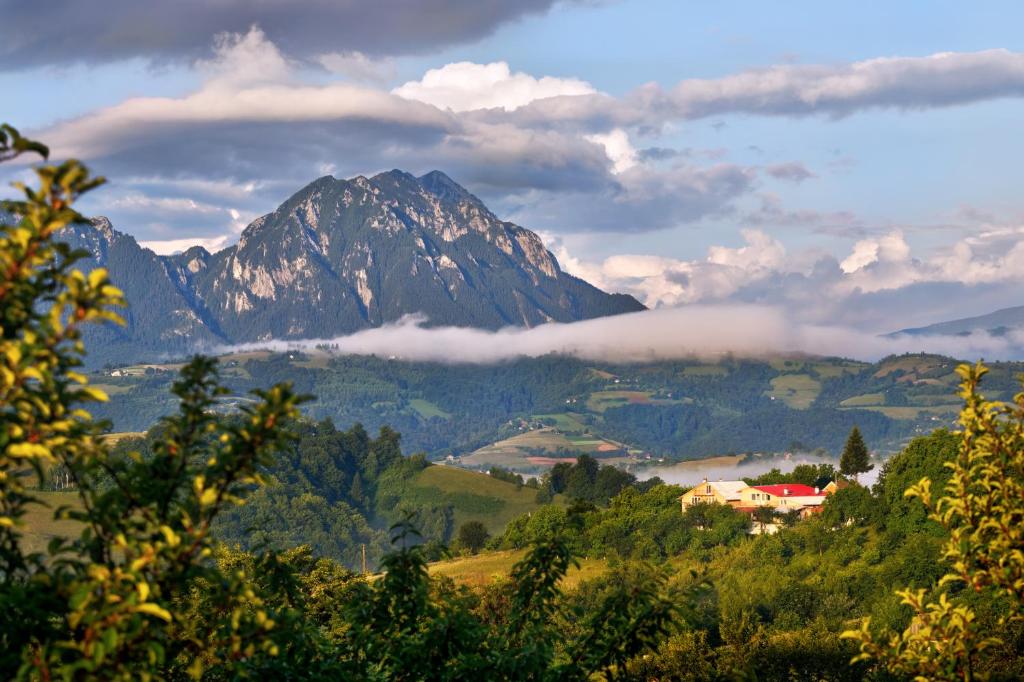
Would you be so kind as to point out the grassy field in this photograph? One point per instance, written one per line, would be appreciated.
(427, 409)
(515, 452)
(40, 527)
(865, 400)
(916, 412)
(113, 438)
(463, 489)
(564, 422)
(796, 390)
(484, 568)
(111, 389)
(599, 401)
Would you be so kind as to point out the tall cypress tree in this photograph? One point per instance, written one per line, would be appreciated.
(855, 459)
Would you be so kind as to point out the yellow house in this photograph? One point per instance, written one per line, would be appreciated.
(713, 492)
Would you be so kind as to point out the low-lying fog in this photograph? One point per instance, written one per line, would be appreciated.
(664, 333)
(690, 473)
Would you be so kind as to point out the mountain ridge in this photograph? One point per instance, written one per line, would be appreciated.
(996, 323)
(339, 256)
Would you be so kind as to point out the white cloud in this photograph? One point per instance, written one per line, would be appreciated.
(880, 285)
(618, 148)
(244, 59)
(166, 247)
(668, 333)
(465, 86)
(890, 248)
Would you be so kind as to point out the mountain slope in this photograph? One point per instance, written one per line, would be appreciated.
(344, 255)
(996, 323)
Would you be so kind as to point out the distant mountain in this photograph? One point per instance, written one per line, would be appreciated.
(337, 257)
(996, 323)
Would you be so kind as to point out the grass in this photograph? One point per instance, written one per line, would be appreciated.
(911, 412)
(485, 568)
(599, 401)
(427, 409)
(796, 390)
(112, 389)
(832, 370)
(865, 400)
(114, 438)
(514, 452)
(463, 488)
(564, 422)
(39, 526)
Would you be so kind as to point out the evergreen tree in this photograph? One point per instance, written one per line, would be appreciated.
(855, 459)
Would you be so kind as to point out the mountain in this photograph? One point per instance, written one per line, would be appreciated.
(996, 323)
(337, 257)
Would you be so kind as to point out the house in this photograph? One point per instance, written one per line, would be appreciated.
(711, 492)
(784, 497)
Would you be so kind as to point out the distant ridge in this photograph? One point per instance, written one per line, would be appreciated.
(337, 257)
(996, 323)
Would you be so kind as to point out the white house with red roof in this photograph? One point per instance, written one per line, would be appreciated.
(783, 497)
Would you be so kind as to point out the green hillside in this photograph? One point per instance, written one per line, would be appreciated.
(475, 496)
(557, 407)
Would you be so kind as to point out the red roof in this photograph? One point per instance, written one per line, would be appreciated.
(789, 490)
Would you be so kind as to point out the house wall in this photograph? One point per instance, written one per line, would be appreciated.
(702, 494)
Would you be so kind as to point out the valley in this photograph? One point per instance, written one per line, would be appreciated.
(530, 413)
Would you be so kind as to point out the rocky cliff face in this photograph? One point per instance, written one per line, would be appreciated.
(345, 255)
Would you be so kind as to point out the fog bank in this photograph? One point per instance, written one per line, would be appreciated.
(705, 331)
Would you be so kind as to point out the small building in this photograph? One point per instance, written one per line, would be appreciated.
(713, 492)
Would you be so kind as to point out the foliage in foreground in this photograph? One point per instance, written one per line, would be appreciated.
(982, 511)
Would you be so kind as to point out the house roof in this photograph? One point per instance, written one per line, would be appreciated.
(789, 490)
(730, 490)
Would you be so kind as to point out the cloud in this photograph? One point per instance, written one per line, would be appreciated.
(167, 247)
(903, 83)
(792, 171)
(938, 80)
(550, 153)
(358, 67)
(255, 123)
(705, 331)
(618, 148)
(880, 286)
(77, 31)
(465, 86)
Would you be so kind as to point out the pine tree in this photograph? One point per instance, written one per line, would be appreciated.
(855, 459)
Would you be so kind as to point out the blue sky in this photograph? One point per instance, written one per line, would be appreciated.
(869, 153)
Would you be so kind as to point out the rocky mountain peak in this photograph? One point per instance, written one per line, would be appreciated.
(343, 255)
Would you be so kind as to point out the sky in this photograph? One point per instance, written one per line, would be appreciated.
(852, 164)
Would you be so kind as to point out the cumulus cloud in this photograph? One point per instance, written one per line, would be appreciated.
(72, 31)
(618, 148)
(465, 86)
(705, 331)
(880, 286)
